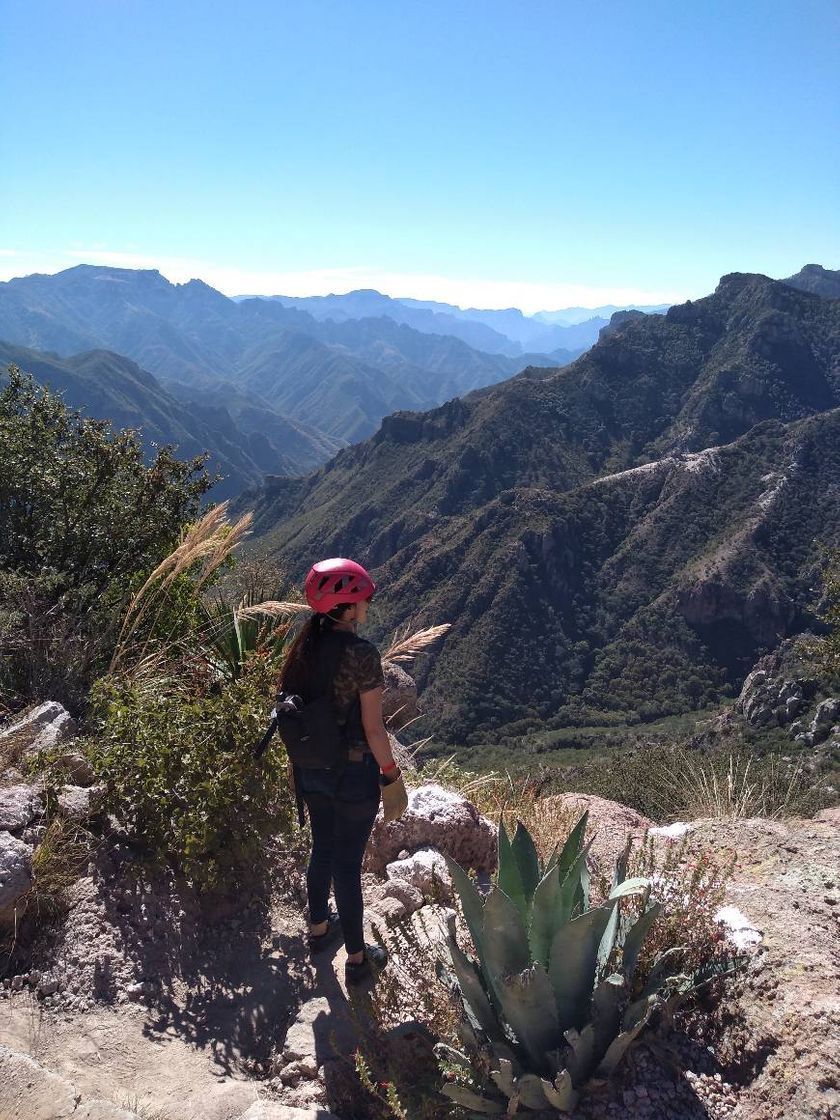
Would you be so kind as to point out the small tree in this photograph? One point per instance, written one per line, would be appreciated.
(82, 519)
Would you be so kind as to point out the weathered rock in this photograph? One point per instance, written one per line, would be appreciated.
(271, 1110)
(19, 806)
(609, 822)
(825, 716)
(391, 909)
(399, 700)
(438, 818)
(15, 871)
(426, 870)
(77, 768)
(42, 728)
(404, 892)
(830, 816)
(301, 1041)
(80, 802)
(780, 1015)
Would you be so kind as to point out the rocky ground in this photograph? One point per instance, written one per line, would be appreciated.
(145, 1003)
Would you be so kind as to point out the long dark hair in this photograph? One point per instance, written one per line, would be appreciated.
(299, 666)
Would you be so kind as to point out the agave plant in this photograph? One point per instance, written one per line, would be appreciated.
(547, 998)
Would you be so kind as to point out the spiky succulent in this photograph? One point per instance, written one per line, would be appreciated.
(541, 1008)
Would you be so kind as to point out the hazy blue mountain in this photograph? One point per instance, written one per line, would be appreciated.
(107, 386)
(569, 316)
(338, 377)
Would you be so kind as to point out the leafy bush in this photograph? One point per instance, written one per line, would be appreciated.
(82, 519)
(176, 756)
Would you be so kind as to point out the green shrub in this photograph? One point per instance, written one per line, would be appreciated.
(82, 519)
(175, 753)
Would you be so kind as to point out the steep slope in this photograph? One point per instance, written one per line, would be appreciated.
(340, 377)
(108, 386)
(593, 555)
(817, 280)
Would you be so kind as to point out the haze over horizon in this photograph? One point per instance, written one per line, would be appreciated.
(485, 156)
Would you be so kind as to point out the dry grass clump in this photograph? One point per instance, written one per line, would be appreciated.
(405, 645)
(204, 547)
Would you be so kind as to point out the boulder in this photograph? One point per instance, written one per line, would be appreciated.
(30, 1092)
(399, 701)
(403, 891)
(19, 806)
(77, 768)
(426, 871)
(15, 871)
(825, 716)
(42, 728)
(609, 822)
(80, 802)
(437, 818)
(273, 1110)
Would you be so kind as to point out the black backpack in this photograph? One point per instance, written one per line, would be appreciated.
(310, 730)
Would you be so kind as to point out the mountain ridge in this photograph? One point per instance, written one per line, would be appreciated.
(446, 504)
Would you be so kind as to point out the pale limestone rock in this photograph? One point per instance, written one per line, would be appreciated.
(404, 892)
(15, 871)
(19, 806)
(438, 818)
(271, 1110)
(426, 870)
(81, 802)
(29, 1092)
(42, 728)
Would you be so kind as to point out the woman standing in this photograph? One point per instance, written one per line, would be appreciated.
(342, 801)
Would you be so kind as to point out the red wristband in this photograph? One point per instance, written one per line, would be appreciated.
(388, 769)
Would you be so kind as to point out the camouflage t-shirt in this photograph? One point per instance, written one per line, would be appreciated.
(359, 670)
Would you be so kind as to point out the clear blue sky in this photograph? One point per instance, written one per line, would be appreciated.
(526, 151)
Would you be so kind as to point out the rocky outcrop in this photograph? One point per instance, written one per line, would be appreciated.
(438, 818)
(399, 701)
(609, 823)
(20, 805)
(40, 729)
(777, 1030)
(15, 872)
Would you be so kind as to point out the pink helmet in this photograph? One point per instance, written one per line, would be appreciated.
(335, 581)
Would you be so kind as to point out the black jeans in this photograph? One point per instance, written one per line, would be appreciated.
(342, 810)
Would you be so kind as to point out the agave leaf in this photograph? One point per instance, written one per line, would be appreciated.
(527, 860)
(503, 1077)
(472, 990)
(608, 940)
(580, 1057)
(571, 849)
(639, 1011)
(570, 888)
(619, 1046)
(561, 1095)
(606, 1013)
(665, 966)
(635, 937)
(460, 1094)
(572, 962)
(471, 902)
(552, 859)
(509, 878)
(530, 1088)
(527, 1001)
(544, 912)
(630, 886)
(450, 1054)
(621, 861)
(504, 941)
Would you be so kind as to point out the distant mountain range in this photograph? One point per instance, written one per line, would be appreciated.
(496, 332)
(336, 378)
(246, 439)
(615, 540)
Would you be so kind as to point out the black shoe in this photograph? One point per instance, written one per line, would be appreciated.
(374, 961)
(318, 942)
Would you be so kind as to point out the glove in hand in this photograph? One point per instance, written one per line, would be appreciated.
(394, 797)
